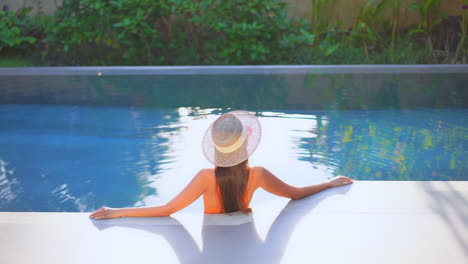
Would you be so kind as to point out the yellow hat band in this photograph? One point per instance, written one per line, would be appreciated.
(233, 147)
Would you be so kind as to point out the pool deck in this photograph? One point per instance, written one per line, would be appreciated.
(367, 222)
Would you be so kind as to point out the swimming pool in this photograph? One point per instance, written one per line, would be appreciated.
(76, 139)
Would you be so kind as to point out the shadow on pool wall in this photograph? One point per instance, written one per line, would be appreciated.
(236, 236)
(451, 207)
(296, 89)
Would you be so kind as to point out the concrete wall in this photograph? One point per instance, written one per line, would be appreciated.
(342, 11)
(39, 6)
(345, 11)
(257, 87)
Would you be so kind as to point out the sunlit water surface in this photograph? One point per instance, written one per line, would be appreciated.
(77, 158)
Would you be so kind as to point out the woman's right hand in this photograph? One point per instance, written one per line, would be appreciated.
(339, 181)
(105, 213)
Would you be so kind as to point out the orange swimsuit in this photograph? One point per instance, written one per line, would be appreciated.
(219, 210)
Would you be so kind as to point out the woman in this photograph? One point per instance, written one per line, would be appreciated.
(229, 187)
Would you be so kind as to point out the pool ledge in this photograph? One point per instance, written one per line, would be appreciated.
(367, 222)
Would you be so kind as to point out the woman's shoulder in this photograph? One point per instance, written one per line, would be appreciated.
(258, 169)
(207, 170)
(206, 173)
(261, 174)
(257, 172)
(210, 172)
(207, 176)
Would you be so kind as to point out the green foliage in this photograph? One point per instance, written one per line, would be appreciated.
(394, 19)
(232, 32)
(108, 31)
(431, 16)
(252, 32)
(333, 49)
(331, 43)
(15, 60)
(320, 20)
(15, 29)
(365, 30)
(462, 47)
(228, 32)
(175, 32)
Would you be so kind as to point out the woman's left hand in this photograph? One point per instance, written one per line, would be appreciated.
(339, 181)
(105, 213)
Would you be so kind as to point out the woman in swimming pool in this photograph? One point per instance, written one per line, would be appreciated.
(229, 187)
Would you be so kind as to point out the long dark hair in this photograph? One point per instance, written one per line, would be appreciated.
(232, 184)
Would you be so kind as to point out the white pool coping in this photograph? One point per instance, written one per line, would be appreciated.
(367, 222)
(237, 70)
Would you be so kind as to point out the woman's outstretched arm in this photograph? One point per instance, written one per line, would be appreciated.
(193, 190)
(269, 182)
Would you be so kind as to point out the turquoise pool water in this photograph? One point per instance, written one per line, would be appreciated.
(78, 158)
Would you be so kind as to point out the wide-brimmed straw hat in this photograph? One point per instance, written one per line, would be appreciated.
(232, 138)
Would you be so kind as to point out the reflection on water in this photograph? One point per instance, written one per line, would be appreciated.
(393, 145)
(68, 158)
(7, 183)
